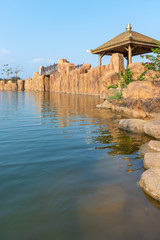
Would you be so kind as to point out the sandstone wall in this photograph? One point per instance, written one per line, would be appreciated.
(9, 86)
(84, 80)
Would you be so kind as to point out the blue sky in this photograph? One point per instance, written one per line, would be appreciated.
(35, 33)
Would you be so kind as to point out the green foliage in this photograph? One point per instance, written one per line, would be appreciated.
(125, 78)
(142, 77)
(153, 61)
(6, 70)
(113, 86)
(118, 95)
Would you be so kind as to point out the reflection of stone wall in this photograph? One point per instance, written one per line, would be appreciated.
(84, 80)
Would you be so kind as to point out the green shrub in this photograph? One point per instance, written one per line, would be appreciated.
(125, 78)
(153, 61)
(118, 95)
(113, 86)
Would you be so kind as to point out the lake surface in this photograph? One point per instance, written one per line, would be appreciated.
(67, 172)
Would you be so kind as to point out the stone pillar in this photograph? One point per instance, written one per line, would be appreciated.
(41, 70)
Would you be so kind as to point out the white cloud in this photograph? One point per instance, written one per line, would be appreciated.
(5, 51)
(37, 60)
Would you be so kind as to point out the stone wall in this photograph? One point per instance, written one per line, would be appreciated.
(9, 86)
(84, 80)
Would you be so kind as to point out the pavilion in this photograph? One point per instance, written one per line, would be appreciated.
(128, 43)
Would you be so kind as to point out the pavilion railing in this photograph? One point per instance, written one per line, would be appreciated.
(52, 69)
(79, 66)
(49, 70)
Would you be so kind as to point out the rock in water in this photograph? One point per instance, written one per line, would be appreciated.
(132, 125)
(150, 182)
(155, 145)
(151, 160)
(152, 128)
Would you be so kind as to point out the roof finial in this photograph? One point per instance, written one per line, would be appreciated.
(129, 27)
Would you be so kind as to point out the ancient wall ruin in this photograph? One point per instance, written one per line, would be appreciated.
(84, 80)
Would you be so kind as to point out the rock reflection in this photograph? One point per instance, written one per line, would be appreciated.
(154, 202)
(72, 109)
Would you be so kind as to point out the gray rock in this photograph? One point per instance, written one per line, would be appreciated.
(150, 182)
(151, 160)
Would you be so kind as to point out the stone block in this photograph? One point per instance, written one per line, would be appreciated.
(116, 63)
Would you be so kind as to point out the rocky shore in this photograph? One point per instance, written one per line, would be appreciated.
(150, 179)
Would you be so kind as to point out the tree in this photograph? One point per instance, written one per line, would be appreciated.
(16, 71)
(6, 70)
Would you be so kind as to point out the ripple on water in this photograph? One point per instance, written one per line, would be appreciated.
(67, 172)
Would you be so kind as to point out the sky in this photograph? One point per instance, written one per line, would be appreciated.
(38, 33)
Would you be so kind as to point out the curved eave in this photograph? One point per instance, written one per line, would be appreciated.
(124, 44)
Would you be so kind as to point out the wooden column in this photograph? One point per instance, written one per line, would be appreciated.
(129, 54)
(100, 59)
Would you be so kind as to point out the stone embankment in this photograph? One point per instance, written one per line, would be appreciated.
(140, 99)
(9, 86)
(84, 80)
(149, 180)
(69, 79)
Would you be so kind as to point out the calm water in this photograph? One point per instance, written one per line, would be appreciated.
(67, 172)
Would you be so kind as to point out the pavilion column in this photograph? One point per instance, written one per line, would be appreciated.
(100, 59)
(129, 54)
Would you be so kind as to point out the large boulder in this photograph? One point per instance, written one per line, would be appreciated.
(152, 128)
(151, 160)
(109, 79)
(132, 125)
(136, 68)
(142, 90)
(117, 63)
(150, 74)
(149, 182)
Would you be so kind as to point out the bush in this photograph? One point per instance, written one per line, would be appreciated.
(118, 95)
(113, 86)
(153, 61)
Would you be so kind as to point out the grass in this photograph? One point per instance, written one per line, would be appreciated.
(118, 95)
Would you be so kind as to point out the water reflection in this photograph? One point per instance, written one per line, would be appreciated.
(71, 170)
(69, 108)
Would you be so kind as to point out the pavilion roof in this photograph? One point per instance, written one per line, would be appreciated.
(140, 44)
